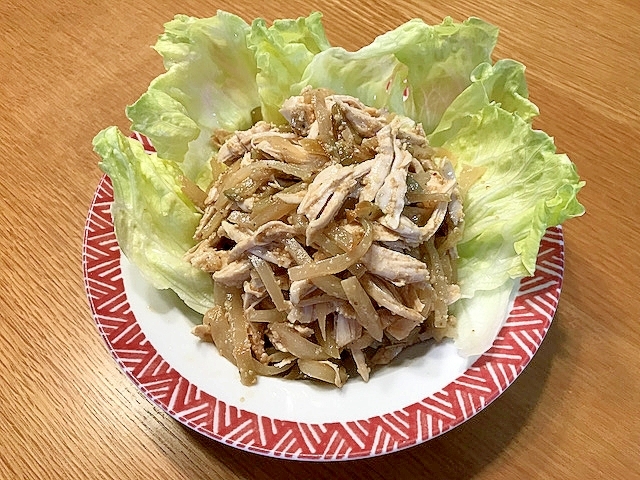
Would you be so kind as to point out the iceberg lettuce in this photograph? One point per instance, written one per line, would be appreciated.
(153, 219)
(416, 70)
(526, 186)
(282, 53)
(210, 83)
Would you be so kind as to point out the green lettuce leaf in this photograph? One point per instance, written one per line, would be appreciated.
(416, 70)
(503, 83)
(282, 52)
(210, 83)
(480, 318)
(153, 219)
(526, 187)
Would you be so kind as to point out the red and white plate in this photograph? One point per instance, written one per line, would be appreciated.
(429, 391)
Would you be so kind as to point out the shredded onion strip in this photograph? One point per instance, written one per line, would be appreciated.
(365, 312)
(265, 316)
(269, 281)
(323, 370)
(329, 284)
(335, 264)
(241, 343)
(296, 344)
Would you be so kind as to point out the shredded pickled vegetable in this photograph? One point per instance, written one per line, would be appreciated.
(331, 241)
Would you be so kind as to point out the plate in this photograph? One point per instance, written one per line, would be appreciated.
(427, 392)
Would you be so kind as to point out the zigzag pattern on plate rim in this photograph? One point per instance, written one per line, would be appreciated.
(485, 380)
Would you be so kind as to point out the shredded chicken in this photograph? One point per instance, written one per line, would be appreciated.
(390, 197)
(327, 194)
(234, 273)
(329, 238)
(397, 267)
(382, 164)
(240, 142)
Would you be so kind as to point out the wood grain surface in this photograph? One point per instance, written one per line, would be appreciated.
(68, 69)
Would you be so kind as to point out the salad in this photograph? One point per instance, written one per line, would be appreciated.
(325, 209)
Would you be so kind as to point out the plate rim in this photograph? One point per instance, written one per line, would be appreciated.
(412, 425)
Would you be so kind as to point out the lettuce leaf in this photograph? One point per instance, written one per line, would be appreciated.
(217, 70)
(210, 83)
(416, 70)
(526, 188)
(153, 219)
(282, 52)
(502, 84)
(220, 71)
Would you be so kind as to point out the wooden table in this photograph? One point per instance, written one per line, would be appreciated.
(66, 411)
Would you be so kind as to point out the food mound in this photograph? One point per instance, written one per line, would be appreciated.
(331, 241)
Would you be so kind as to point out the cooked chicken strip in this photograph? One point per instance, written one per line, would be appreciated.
(398, 268)
(299, 114)
(233, 232)
(383, 161)
(234, 274)
(327, 193)
(380, 232)
(240, 142)
(455, 207)
(276, 255)
(264, 235)
(362, 121)
(414, 235)
(288, 153)
(390, 197)
(385, 299)
(207, 258)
